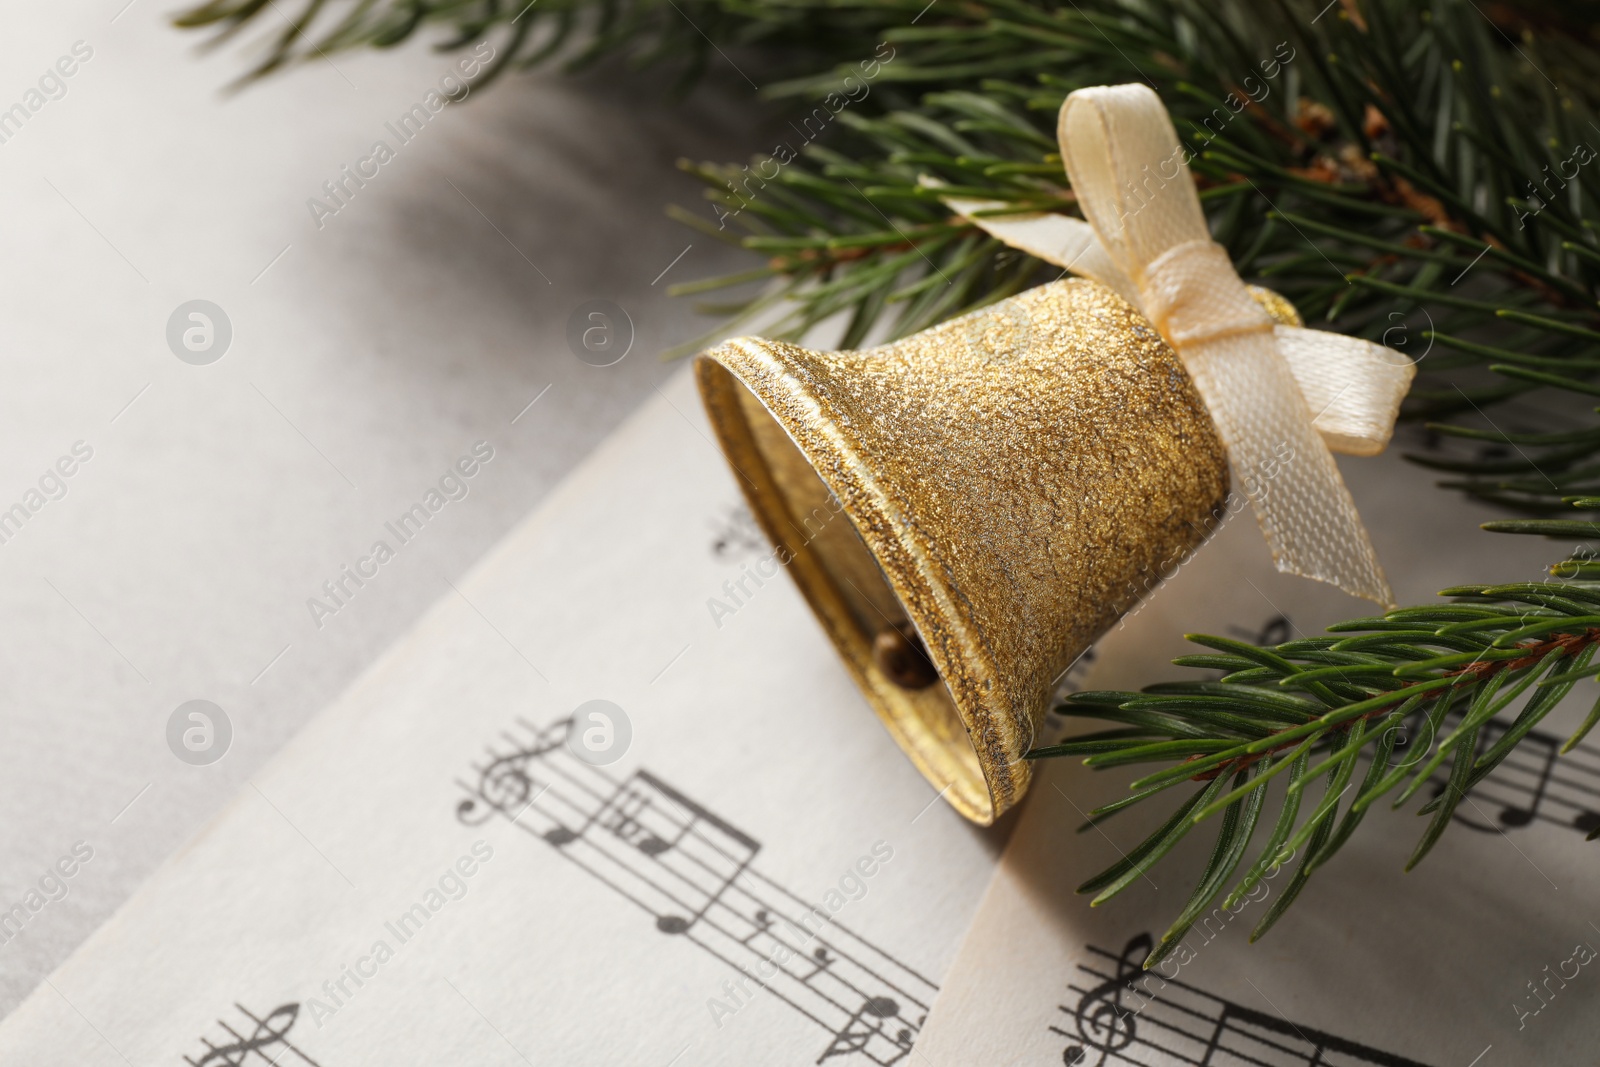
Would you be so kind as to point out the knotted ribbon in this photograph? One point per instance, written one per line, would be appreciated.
(1281, 396)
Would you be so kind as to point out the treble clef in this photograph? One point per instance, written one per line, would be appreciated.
(266, 1034)
(504, 784)
(1103, 1024)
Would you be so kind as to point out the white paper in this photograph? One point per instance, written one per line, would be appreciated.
(1370, 965)
(426, 875)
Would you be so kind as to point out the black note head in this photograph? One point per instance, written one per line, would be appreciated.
(882, 1007)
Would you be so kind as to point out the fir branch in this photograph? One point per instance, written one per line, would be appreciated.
(1425, 683)
(687, 35)
(1410, 174)
(1421, 174)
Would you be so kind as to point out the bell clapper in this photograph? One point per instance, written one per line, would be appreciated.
(903, 659)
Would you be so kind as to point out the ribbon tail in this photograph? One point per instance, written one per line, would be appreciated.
(1283, 466)
(1069, 243)
(1353, 387)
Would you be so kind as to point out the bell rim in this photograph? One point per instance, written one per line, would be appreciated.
(744, 363)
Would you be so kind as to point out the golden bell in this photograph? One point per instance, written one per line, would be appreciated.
(968, 509)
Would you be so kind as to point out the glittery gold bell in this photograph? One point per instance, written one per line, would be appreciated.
(968, 509)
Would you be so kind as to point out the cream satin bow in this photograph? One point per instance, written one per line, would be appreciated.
(1281, 396)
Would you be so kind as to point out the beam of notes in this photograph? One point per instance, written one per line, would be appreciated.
(692, 872)
(1121, 1014)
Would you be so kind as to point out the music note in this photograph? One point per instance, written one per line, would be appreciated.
(1275, 631)
(1521, 816)
(704, 853)
(623, 816)
(628, 823)
(763, 923)
(692, 872)
(1217, 1035)
(270, 1034)
(867, 1023)
(821, 961)
(1178, 1014)
(1102, 1023)
(1535, 783)
(1245, 1035)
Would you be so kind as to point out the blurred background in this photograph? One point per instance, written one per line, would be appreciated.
(366, 356)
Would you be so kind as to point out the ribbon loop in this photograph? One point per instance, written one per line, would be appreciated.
(1128, 171)
(1280, 396)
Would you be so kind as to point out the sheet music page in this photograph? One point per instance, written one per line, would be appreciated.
(1481, 956)
(573, 817)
